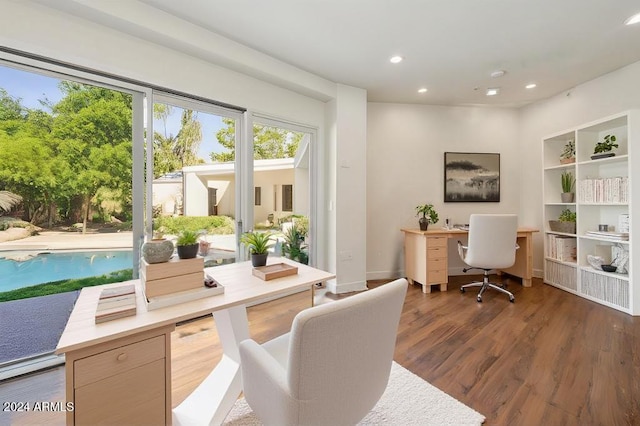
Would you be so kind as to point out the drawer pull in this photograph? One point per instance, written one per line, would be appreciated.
(122, 357)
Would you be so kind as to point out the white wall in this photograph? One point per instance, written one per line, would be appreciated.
(609, 94)
(347, 117)
(405, 168)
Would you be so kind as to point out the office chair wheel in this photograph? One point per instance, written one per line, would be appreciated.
(462, 290)
(512, 299)
(479, 299)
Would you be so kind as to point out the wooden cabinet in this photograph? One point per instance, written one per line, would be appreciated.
(604, 195)
(125, 381)
(426, 260)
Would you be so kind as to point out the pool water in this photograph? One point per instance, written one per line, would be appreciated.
(49, 267)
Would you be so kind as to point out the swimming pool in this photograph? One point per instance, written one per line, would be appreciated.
(47, 267)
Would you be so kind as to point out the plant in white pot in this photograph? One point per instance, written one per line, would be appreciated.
(568, 183)
(429, 215)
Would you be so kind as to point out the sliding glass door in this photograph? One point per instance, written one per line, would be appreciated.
(195, 182)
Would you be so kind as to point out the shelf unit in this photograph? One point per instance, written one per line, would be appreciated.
(604, 194)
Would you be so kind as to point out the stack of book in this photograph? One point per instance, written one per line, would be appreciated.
(116, 302)
(614, 236)
(562, 248)
(604, 190)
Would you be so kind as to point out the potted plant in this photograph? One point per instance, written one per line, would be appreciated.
(429, 215)
(258, 244)
(569, 153)
(187, 244)
(603, 149)
(568, 183)
(294, 246)
(566, 222)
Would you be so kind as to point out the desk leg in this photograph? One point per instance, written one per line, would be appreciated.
(212, 400)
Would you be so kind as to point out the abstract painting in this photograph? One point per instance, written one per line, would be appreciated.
(471, 177)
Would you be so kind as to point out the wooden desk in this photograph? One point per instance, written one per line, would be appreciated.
(119, 371)
(426, 256)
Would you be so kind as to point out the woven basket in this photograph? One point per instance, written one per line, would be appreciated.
(561, 226)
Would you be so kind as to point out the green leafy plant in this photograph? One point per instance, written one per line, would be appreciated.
(567, 215)
(257, 242)
(607, 145)
(569, 150)
(427, 210)
(187, 238)
(294, 246)
(568, 182)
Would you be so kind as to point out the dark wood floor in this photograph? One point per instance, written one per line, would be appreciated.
(551, 358)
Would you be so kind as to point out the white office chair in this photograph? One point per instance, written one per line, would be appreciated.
(491, 245)
(334, 365)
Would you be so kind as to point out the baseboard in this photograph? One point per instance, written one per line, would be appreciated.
(385, 275)
(337, 288)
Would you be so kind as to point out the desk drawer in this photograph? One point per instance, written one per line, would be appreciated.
(436, 252)
(436, 264)
(106, 364)
(437, 276)
(436, 242)
(134, 397)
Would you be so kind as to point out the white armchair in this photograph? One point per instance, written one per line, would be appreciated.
(492, 245)
(334, 365)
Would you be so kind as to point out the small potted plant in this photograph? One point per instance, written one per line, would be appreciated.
(568, 183)
(566, 222)
(258, 244)
(187, 244)
(603, 149)
(569, 153)
(429, 215)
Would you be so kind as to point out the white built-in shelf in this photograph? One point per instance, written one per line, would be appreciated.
(616, 290)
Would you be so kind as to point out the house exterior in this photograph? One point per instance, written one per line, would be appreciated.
(281, 188)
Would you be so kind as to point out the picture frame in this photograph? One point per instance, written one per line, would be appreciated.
(471, 177)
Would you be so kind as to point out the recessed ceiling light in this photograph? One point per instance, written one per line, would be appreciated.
(396, 59)
(498, 73)
(423, 90)
(530, 86)
(492, 91)
(633, 20)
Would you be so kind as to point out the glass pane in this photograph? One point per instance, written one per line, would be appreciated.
(194, 179)
(281, 171)
(65, 201)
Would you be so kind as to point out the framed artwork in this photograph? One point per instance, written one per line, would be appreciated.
(471, 177)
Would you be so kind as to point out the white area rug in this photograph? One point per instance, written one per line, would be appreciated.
(408, 400)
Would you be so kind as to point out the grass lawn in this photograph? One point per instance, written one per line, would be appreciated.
(62, 286)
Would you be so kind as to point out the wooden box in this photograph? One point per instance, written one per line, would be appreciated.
(276, 270)
(173, 276)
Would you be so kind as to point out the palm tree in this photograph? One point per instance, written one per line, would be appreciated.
(9, 200)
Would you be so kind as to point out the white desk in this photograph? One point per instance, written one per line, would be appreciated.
(120, 371)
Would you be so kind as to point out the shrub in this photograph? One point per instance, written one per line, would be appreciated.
(176, 224)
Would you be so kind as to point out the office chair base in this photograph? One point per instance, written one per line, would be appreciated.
(485, 284)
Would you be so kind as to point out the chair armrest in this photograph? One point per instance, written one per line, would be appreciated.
(264, 383)
(461, 250)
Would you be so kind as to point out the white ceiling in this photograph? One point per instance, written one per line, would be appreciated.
(450, 46)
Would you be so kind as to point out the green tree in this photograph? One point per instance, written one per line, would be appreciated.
(268, 142)
(92, 134)
(188, 139)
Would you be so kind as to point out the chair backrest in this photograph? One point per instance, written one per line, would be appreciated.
(340, 353)
(492, 240)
